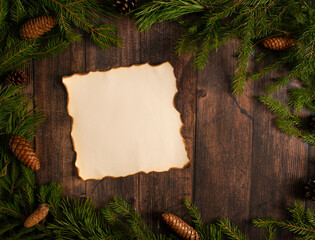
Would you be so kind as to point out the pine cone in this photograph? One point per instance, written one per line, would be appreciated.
(310, 189)
(38, 215)
(312, 124)
(180, 227)
(17, 77)
(36, 27)
(278, 43)
(125, 6)
(24, 152)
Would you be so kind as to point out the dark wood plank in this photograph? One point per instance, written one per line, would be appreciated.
(166, 191)
(223, 142)
(279, 164)
(53, 141)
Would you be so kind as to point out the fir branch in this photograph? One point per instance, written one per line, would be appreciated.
(288, 127)
(310, 215)
(16, 54)
(299, 224)
(276, 107)
(195, 214)
(288, 122)
(279, 83)
(121, 207)
(104, 35)
(300, 97)
(271, 233)
(8, 225)
(28, 176)
(15, 114)
(9, 208)
(230, 229)
(209, 232)
(297, 228)
(244, 50)
(309, 138)
(86, 15)
(80, 220)
(159, 11)
(4, 10)
(28, 193)
(208, 24)
(52, 47)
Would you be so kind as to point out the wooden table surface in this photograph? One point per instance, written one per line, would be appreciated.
(242, 167)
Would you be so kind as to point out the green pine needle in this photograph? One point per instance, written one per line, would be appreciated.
(230, 229)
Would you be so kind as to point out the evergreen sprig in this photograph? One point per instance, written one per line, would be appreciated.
(87, 15)
(301, 223)
(209, 24)
(19, 194)
(290, 122)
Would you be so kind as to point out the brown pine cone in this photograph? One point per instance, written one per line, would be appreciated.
(312, 124)
(24, 152)
(36, 27)
(17, 77)
(180, 227)
(310, 189)
(125, 6)
(38, 215)
(278, 43)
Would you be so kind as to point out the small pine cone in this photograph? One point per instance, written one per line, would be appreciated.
(312, 124)
(180, 227)
(36, 27)
(310, 189)
(125, 6)
(278, 43)
(38, 215)
(24, 152)
(17, 77)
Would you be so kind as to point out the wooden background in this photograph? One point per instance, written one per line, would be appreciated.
(242, 167)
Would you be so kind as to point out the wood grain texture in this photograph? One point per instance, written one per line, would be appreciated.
(279, 164)
(166, 191)
(241, 165)
(223, 142)
(53, 141)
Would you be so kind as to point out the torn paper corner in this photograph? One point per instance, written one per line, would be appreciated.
(124, 121)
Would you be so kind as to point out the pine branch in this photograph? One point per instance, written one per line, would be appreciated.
(86, 15)
(230, 229)
(208, 24)
(103, 35)
(271, 233)
(276, 107)
(287, 126)
(4, 10)
(51, 194)
(8, 226)
(299, 224)
(308, 138)
(195, 215)
(244, 50)
(300, 97)
(310, 215)
(159, 11)
(139, 228)
(8, 208)
(18, 53)
(80, 220)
